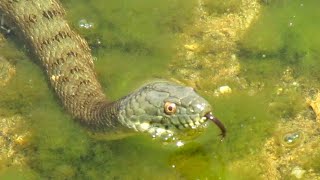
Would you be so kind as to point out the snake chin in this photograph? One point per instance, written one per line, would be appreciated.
(186, 131)
(166, 135)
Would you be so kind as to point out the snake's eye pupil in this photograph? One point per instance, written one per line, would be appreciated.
(170, 108)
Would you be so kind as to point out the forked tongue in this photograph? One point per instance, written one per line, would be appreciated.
(218, 123)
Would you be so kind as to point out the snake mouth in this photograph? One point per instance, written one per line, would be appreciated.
(209, 116)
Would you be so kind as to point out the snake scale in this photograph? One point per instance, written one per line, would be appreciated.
(160, 108)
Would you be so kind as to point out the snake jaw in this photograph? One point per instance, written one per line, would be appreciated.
(167, 111)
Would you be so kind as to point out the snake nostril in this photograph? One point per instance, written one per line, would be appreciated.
(178, 126)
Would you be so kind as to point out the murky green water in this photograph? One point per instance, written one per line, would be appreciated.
(134, 42)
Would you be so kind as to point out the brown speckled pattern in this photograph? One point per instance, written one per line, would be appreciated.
(66, 58)
(68, 63)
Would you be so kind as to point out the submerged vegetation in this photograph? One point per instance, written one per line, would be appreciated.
(134, 41)
(124, 34)
(285, 32)
(222, 6)
(281, 50)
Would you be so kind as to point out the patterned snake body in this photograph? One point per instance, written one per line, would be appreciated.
(160, 108)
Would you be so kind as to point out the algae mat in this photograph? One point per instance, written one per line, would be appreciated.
(257, 62)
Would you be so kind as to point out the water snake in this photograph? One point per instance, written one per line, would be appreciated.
(160, 108)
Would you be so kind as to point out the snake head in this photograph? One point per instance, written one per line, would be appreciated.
(165, 109)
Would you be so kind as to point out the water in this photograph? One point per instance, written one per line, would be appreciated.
(135, 42)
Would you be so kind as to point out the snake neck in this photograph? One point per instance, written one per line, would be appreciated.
(66, 58)
(102, 116)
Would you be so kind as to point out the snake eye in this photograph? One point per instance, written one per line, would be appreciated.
(170, 108)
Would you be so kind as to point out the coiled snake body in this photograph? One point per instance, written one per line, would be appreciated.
(160, 108)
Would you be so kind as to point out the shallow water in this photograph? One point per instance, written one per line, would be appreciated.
(135, 42)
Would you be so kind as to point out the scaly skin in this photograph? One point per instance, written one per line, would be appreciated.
(68, 63)
(65, 56)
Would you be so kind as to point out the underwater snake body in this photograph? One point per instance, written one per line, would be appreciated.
(160, 108)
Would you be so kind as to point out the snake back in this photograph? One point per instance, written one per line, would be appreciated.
(65, 56)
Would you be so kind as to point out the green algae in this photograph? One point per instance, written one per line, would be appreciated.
(221, 6)
(313, 163)
(248, 125)
(290, 36)
(129, 33)
(285, 39)
(243, 124)
(18, 173)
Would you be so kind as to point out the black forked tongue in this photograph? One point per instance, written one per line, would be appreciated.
(218, 123)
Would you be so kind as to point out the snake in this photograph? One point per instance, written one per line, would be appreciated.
(159, 108)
